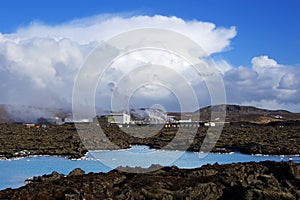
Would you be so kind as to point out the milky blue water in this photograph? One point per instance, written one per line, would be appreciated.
(14, 172)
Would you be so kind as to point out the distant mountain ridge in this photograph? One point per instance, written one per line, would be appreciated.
(240, 113)
(239, 108)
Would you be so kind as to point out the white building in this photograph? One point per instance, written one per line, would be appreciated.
(185, 121)
(121, 118)
(215, 123)
(72, 120)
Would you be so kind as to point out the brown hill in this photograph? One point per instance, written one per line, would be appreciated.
(238, 113)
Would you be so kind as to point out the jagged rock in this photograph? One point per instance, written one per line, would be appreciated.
(265, 180)
(268, 194)
(76, 172)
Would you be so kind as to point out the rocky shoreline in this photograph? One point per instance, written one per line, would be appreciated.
(264, 180)
(63, 140)
(19, 141)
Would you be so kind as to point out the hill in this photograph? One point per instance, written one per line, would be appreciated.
(239, 113)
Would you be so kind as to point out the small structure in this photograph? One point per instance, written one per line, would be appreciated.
(44, 126)
(104, 119)
(185, 120)
(71, 120)
(206, 124)
(171, 119)
(29, 125)
(114, 118)
(121, 118)
(184, 125)
(215, 123)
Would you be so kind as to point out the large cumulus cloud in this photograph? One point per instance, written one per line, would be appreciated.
(38, 64)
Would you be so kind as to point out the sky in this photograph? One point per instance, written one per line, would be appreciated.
(256, 45)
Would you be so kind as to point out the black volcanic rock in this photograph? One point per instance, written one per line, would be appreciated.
(279, 138)
(76, 172)
(265, 180)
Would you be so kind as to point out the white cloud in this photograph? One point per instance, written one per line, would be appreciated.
(223, 66)
(266, 84)
(288, 81)
(263, 63)
(273, 104)
(38, 63)
(211, 38)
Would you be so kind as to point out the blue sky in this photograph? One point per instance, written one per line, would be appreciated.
(264, 27)
(256, 45)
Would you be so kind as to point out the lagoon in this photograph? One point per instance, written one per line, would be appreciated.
(15, 171)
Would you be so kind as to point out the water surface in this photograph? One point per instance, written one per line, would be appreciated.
(15, 171)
